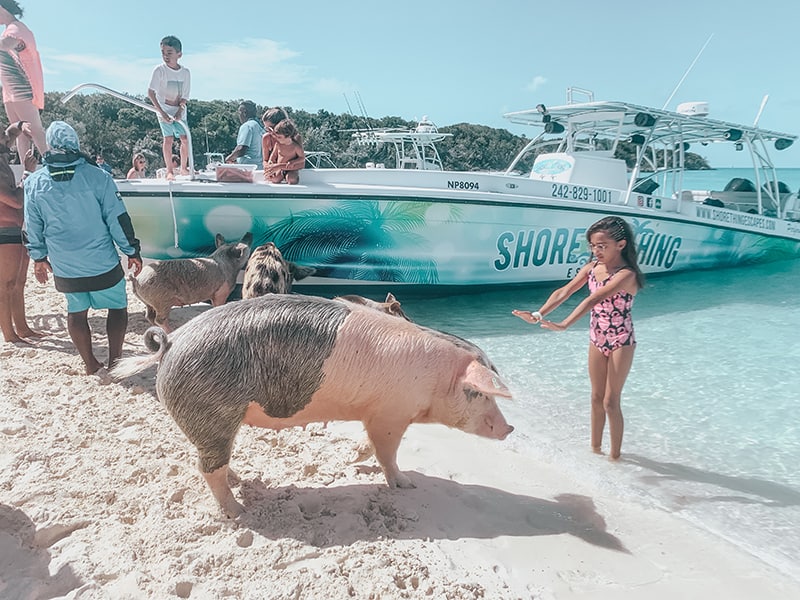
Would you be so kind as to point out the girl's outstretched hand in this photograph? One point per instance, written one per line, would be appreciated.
(552, 326)
(526, 315)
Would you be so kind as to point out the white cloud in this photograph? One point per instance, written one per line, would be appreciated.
(537, 82)
(263, 70)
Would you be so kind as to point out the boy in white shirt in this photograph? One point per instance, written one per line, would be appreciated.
(169, 91)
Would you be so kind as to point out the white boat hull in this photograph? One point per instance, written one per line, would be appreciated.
(374, 227)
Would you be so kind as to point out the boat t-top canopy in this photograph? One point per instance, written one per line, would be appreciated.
(414, 149)
(623, 121)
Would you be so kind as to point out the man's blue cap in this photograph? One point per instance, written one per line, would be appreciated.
(61, 136)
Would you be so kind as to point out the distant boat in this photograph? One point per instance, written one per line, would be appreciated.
(419, 225)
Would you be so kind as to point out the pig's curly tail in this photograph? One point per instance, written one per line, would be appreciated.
(156, 341)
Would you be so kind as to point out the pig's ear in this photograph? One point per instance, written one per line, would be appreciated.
(390, 298)
(300, 272)
(219, 240)
(481, 379)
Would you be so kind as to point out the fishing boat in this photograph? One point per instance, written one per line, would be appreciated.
(420, 225)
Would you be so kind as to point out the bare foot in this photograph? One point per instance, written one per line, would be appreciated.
(597, 450)
(170, 175)
(613, 458)
(32, 333)
(92, 369)
(184, 171)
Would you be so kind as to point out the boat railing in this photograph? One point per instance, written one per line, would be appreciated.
(135, 102)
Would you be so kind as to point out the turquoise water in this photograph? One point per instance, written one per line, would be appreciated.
(711, 406)
(716, 179)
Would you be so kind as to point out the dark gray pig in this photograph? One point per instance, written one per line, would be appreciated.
(286, 360)
(181, 281)
(268, 272)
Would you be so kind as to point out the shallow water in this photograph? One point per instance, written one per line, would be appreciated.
(711, 405)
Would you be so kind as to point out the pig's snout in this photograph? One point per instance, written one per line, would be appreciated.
(495, 427)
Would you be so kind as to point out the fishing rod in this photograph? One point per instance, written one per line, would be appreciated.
(687, 72)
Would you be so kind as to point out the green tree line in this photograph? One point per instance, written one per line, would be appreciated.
(117, 129)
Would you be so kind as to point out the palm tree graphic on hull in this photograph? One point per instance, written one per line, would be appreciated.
(360, 239)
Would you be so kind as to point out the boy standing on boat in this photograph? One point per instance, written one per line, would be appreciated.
(169, 90)
(248, 140)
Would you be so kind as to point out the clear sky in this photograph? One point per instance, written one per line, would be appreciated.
(452, 60)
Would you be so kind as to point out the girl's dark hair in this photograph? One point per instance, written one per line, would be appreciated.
(12, 7)
(618, 229)
(274, 115)
(288, 128)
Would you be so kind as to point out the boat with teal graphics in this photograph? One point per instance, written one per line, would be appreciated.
(421, 225)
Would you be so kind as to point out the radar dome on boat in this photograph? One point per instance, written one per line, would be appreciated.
(695, 109)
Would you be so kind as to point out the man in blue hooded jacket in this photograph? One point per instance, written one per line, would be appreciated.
(75, 221)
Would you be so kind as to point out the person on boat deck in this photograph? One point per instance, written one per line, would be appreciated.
(614, 279)
(13, 255)
(248, 140)
(287, 157)
(138, 164)
(270, 119)
(21, 77)
(75, 222)
(169, 90)
(101, 162)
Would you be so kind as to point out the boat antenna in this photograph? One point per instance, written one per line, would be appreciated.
(761, 109)
(346, 101)
(363, 109)
(686, 73)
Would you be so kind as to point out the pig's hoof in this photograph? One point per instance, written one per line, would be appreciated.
(402, 481)
(232, 509)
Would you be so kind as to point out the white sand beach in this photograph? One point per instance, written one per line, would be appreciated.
(100, 498)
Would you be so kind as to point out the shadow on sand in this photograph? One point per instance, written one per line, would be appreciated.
(436, 509)
(25, 559)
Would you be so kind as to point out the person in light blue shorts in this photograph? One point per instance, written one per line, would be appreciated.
(77, 226)
(114, 298)
(173, 130)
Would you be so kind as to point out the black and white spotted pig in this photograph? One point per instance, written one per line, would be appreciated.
(268, 272)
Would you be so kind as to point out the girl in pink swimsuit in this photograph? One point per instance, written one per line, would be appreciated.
(614, 279)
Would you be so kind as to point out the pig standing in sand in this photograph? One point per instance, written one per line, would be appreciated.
(181, 281)
(268, 272)
(282, 361)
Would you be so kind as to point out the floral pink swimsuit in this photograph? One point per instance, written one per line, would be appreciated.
(610, 322)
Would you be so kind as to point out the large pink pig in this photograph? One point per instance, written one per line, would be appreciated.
(282, 361)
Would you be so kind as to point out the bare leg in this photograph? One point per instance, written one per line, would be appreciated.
(18, 298)
(78, 328)
(184, 150)
(598, 370)
(9, 259)
(116, 324)
(166, 150)
(619, 365)
(26, 111)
